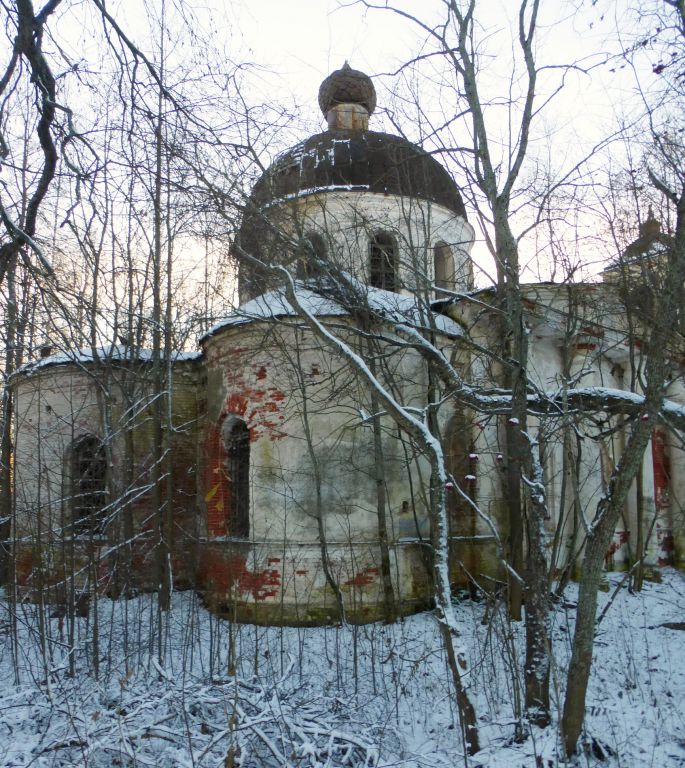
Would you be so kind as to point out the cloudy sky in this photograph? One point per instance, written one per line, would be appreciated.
(303, 40)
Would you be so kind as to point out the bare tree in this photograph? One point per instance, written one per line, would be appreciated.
(660, 323)
(493, 175)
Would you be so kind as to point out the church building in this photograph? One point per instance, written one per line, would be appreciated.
(284, 493)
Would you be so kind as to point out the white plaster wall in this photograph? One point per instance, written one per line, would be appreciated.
(57, 405)
(589, 366)
(346, 220)
(258, 371)
(274, 377)
(53, 409)
(677, 498)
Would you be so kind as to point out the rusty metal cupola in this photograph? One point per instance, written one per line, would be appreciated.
(347, 98)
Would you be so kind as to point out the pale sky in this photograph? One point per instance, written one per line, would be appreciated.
(302, 41)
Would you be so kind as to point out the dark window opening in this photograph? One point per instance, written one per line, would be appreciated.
(237, 447)
(383, 262)
(88, 486)
(444, 266)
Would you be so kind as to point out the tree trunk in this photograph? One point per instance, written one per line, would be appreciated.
(158, 385)
(524, 468)
(389, 604)
(514, 523)
(443, 598)
(610, 508)
(598, 540)
(6, 436)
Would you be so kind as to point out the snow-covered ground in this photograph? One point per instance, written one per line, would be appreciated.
(358, 696)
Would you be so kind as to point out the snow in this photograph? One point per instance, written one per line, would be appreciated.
(390, 306)
(296, 158)
(669, 408)
(376, 695)
(607, 393)
(112, 352)
(316, 191)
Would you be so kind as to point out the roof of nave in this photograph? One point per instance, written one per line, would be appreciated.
(119, 353)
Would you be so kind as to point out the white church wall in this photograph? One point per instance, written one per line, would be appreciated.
(347, 220)
(595, 356)
(671, 547)
(52, 409)
(57, 406)
(311, 443)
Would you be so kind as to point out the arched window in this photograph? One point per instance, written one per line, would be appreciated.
(444, 266)
(88, 485)
(312, 248)
(383, 262)
(236, 439)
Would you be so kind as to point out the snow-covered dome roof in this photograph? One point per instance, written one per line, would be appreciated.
(356, 160)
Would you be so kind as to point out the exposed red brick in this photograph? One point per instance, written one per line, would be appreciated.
(236, 403)
(616, 545)
(215, 483)
(592, 330)
(362, 579)
(223, 572)
(661, 466)
(666, 544)
(24, 565)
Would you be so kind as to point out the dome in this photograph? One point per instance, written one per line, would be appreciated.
(345, 158)
(347, 86)
(352, 160)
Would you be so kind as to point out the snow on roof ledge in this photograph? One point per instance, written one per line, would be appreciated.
(391, 306)
(113, 352)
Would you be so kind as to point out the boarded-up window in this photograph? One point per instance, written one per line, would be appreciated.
(383, 262)
(236, 437)
(444, 266)
(88, 486)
